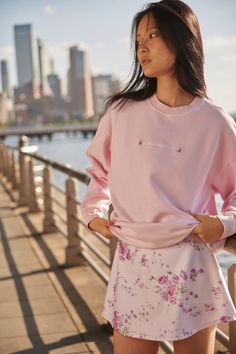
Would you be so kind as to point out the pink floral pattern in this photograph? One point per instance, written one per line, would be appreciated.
(168, 293)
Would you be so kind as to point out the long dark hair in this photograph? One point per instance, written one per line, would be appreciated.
(179, 28)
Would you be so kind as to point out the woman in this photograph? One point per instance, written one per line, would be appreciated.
(160, 154)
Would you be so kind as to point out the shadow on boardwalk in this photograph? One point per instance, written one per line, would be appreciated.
(45, 307)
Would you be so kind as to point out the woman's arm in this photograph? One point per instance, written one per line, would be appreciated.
(225, 185)
(97, 198)
(214, 229)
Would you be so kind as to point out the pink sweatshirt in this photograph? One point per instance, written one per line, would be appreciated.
(154, 163)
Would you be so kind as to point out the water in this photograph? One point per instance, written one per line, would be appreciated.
(72, 150)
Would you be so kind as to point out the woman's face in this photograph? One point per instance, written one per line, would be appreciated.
(155, 58)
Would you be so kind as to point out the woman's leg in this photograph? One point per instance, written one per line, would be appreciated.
(128, 345)
(201, 342)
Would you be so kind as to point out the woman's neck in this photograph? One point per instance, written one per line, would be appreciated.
(171, 93)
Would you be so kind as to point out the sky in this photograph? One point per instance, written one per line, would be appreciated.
(103, 27)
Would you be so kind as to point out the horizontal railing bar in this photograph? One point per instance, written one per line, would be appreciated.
(60, 230)
(74, 199)
(93, 248)
(58, 203)
(105, 241)
(67, 169)
(101, 238)
(59, 216)
(222, 338)
(64, 192)
(167, 347)
(57, 188)
(94, 265)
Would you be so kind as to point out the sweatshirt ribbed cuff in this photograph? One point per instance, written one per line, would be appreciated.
(229, 223)
(89, 216)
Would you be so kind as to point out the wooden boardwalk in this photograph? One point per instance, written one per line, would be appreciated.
(46, 307)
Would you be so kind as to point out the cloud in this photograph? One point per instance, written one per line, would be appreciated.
(228, 58)
(99, 45)
(219, 49)
(49, 9)
(220, 42)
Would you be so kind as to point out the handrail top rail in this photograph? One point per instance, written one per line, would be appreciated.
(65, 168)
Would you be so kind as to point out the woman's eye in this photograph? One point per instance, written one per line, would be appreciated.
(154, 34)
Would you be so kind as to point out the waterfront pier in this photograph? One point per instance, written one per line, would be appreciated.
(49, 130)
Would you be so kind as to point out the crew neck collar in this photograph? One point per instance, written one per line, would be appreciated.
(161, 107)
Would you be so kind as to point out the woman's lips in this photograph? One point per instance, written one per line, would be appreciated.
(146, 61)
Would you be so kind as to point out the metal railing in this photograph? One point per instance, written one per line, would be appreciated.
(32, 175)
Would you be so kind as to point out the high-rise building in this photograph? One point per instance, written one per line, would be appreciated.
(80, 83)
(27, 57)
(3, 108)
(103, 86)
(55, 85)
(45, 67)
(5, 77)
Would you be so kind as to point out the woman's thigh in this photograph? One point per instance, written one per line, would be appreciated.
(201, 342)
(128, 345)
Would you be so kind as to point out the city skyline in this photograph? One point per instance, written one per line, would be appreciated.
(108, 42)
(37, 97)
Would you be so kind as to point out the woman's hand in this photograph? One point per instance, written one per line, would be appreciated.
(101, 225)
(210, 228)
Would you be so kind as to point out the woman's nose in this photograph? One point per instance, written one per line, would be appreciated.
(143, 49)
(142, 46)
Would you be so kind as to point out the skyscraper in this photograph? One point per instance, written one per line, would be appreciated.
(5, 77)
(3, 108)
(55, 85)
(80, 82)
(26, 57)
(45, 67)
(103, 86)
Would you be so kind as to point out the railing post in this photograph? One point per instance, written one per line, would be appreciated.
(73, 250)
(4, 161)
(49, 221)
(1, 157)
(32, 197)
(8, 165)
(23, 175)
(14, 177)
(11, 168)
(232, 290)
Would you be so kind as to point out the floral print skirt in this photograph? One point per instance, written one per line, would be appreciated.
(167, 293)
